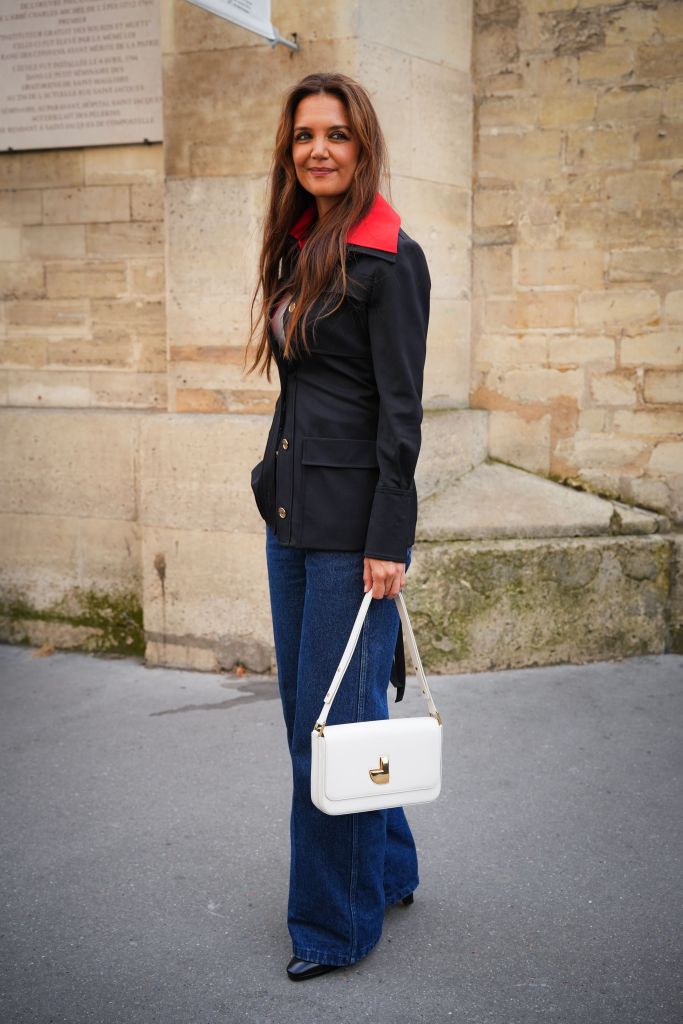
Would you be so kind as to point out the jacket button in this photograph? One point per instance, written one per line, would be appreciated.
(285, 443)
(282, 512)
(291, 307)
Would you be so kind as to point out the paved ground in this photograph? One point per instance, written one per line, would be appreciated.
(144, 851)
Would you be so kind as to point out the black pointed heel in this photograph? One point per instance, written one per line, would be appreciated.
(407, 900)
(300, 970)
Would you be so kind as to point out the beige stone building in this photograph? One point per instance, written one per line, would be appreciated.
(537, 156)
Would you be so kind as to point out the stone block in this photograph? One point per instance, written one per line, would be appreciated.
(147, 278)
(607, 451)
(517, 111)
(144, 315)
(607, 64)
(578, 268)
(127, 389)
(618, 307)
(480, 606)
(137, 238)
(51, 462)
(519, 156)
(567, 350)
(440, 103)
(643, 421)
(20, 206)
(667, 458)
(195, 471)
(613, 389)
(633, 189)
(659, 60)
(453, 442)
(206, 598)
(47, 388)
(574, 106)
(124, 165)
(663, 386)
(509, 351)
(45, 557)
(61, 317)
(530, 310)
(599, 146)
(85, 278)
(669, 18)
(437, 216)
(23, 351)
(435, 31)
(676, 646)
(54, 241)
(583, 223)
(656, 348)
(645, 264)
(147, 201)
(447, 369)
(495, 48)
(24, 279)
(629, 103)
(672, 101)
(10, 244)
(520, 441)
(47, 168)
(540, 384)
(673, 307)
(492, 270)
(88, 204)
(493, 207)
(660, 141)
(630, 24)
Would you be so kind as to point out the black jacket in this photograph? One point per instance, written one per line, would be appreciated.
(339, 462)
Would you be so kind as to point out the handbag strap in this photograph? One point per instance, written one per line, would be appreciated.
(351, 646)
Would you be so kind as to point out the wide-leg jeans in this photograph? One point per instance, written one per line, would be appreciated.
(344, 869)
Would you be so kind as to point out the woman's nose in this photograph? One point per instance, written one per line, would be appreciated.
(319, 146)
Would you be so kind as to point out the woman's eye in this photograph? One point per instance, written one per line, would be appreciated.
(339, 136)
(301, 136)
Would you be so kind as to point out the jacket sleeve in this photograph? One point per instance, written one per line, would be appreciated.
(398, 315)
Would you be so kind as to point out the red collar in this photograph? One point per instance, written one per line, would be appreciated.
(378, 229)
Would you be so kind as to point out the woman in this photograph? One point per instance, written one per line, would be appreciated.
(344, 311)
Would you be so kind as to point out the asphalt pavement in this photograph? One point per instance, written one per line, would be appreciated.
(145, 851)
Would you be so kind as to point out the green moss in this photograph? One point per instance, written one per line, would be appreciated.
(114, 616)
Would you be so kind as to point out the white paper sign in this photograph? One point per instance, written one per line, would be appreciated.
(253, 15)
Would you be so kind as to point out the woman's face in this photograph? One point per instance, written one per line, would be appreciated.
(324, 149)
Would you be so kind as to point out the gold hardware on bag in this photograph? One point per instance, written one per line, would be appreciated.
(380, 775)
(318, 728)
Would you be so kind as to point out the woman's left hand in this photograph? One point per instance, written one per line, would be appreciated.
(385, 579)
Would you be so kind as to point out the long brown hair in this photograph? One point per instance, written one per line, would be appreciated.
(321, 263)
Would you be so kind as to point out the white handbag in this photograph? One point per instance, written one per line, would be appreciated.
(364, 766)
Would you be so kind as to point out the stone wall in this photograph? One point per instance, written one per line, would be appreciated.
(125, 277)
(578, 261)
(82, 278)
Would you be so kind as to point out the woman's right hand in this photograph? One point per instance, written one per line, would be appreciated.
(385, 579)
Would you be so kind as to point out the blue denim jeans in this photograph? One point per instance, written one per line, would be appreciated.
(344, 869)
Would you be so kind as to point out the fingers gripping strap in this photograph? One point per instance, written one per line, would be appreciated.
(351, 646)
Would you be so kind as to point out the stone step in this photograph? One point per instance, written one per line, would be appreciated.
(454, 441)
(511, 569)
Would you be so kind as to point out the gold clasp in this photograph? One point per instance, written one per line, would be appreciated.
(380, 775)
(319, 728)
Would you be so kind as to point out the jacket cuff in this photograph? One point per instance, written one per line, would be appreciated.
(391, 529)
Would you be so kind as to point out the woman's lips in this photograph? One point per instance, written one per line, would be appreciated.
(321, 172)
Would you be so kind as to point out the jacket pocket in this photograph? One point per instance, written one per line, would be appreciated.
(339, 479)
(256, 486)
